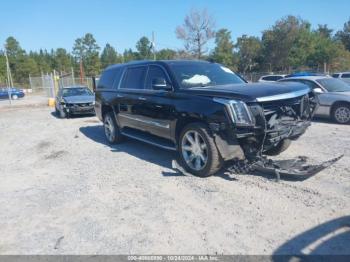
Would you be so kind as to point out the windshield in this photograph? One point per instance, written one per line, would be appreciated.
(200, 74)
(81, 91)
(334, 85)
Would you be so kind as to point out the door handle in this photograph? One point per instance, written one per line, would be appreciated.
(142, 98)
(120, 96)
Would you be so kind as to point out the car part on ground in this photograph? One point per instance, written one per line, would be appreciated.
(296, 169)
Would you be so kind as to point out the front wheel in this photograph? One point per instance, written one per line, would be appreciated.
(341, 114)
(279, 148)
(112, 131)
(197, 150)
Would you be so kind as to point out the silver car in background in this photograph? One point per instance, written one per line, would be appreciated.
(333, 94)
(345, 76)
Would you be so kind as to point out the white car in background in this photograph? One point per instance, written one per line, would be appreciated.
(333, 95)
(345, 76)
(270, 78)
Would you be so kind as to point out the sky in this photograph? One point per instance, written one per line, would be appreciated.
(51, 24)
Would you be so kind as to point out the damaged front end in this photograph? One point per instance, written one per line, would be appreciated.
(277, 122)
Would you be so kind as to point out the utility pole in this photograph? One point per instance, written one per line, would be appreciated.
(9, 77)
(153, 46)
(81, 69)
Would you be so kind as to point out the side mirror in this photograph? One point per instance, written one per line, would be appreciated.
(318, 90)
(160, 83)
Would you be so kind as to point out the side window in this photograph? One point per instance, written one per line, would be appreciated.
(109, 77)
(153, 73)
(335, 75)
(134, 78)
(345, 75)
(310, 84)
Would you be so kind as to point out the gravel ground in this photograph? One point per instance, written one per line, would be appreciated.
(63, 190)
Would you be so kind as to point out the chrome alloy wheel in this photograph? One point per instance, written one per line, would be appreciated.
(342, 114)
(194, 150)
(109, 128)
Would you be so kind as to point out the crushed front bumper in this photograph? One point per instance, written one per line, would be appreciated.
(79, 109)
(296, 169)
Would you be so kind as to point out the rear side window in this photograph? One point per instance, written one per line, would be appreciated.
(134, 78)
(345, 75)
(109, 77)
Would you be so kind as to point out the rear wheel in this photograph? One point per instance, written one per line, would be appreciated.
(197, 151)
(341, 113)
(112, 131)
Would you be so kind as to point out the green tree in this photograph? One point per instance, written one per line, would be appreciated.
(129, 55)
(283, 41)
(166, 54)
(143, 47)
(109, 56)
(62, 60)
(324, 31)
(344, 35)
(2, 69)
(223, 52)
(85, 49)
(249, 51)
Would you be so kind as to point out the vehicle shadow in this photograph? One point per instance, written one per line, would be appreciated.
(53, 113)
(328, 239)
(142, 151)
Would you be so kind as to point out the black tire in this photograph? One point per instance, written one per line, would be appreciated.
(111, 128)
(341, 113)
(214, 160)
(57, 112)
(281, 146)
(62, 114)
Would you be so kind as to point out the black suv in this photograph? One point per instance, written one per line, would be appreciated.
(202, 110)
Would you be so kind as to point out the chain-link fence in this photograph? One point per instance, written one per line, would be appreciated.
(67, 81)
(42, 85)
(48, 85)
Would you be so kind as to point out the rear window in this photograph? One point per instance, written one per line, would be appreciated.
(134, 78)
(109, 77)
(345, 75)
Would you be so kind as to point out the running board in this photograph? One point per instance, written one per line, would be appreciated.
(149, 139)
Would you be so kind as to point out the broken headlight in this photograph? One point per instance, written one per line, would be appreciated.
(238, 111)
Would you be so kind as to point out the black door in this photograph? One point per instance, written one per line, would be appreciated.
(129, 97)
(156, 106)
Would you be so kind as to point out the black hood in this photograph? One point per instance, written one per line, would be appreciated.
(252, 92)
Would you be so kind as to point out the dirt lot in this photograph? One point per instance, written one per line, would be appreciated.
(63, 190)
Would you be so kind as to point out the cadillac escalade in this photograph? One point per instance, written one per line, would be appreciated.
(202, 110)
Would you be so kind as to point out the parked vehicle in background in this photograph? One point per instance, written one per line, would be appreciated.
(202, 110)
(345, 76)
(333, 95)
(15, 93)
(74, 100)
(299, 74)
(270, 78)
